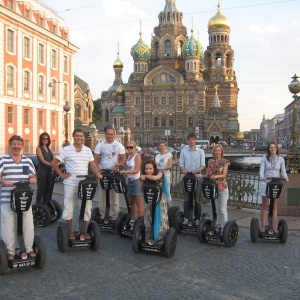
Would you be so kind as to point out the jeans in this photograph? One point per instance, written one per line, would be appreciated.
(221, 204)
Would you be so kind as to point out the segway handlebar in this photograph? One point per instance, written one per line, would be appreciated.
(276, 178)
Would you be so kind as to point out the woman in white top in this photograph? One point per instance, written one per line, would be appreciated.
(135, 195)
(164, 163)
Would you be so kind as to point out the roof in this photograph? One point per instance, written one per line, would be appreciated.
(82, 84)
(118, 109)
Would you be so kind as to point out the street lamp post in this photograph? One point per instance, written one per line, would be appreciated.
(66, 109)
(293, 157)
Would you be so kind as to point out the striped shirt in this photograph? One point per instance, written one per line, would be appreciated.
(76, 163)
(14, 172)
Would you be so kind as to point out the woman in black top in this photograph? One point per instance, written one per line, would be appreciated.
(44, 170)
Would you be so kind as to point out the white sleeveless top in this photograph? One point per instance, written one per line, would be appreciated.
(130, 165)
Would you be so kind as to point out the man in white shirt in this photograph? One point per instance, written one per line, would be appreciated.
(77, 158)
(109, 154)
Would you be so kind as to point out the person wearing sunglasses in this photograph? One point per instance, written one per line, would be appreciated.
(44, 169)
(135, 195)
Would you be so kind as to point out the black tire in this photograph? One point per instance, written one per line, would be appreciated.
(178, 221)
(3, 258)
(283, 230)
(205, 215)
(95, 215)
(203, 227)
(62, 237)
(230, 233)
(120, 223)
(40, 250)
(41, 215)
(172, 215)
(254, 230)
(58, 210)
(94, 231)
(138, 237)
(170, 242)
(139, 220)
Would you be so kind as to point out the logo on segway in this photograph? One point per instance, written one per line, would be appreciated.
(24, 255)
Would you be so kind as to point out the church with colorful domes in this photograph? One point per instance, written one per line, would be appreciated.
(176, 86)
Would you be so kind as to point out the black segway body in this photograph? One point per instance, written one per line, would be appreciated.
(51, 211)
(152, 195)
(273, 191)
(21, 199)
(86, 192)
(207, 229)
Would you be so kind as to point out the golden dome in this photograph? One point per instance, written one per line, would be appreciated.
(240, 136)
(118, 63)
(218, 21)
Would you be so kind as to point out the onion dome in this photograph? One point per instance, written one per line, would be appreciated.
(192, 47)
(140, 49)
(218, 21)
(118, 63)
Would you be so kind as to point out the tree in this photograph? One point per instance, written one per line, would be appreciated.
(97, 113)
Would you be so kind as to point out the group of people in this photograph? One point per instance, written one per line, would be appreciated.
(111, 154)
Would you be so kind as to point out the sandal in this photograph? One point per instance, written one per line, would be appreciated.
(276, 231)
(87, 236)
(71, 236)
(10, 256)
(161, 242)
(262, 229)
(31, 254)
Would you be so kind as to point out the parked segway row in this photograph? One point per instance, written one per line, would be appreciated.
(152, 195)
(86, 192)
(190, 182)
(45, 213)
(21, 198)
(273, 191)
(208, 229)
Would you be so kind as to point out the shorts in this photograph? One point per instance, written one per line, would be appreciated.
(263, 188)
(134, 188)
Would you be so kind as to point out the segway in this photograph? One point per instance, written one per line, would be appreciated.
(21, 198)
(152, 195)
(190, 182)
(273, 191)
(208, 229)
(86, 192)
(51, 211)
(122, 223)
(105, 222)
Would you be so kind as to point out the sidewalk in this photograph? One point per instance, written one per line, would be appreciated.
(242, 216)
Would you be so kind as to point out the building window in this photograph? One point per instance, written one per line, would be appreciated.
(42, 22)
(54, 59)
(163, 122)
(156, 100)
(138, 101)
(218, 61)
(163, 100)
(27, 146)
(26, 117)
(191, 122)
(77, 111)
(11, 4)
(41, 54)
(137, 122)
(54, 28)
(156, 122)
(10, 115)
(191, 101)
(27, 14)
(10, 77)
(41, 118)
(66, 64)
(171, 122)
(10, 41)
(26, 47)
(41, 84)
(26, 81)
(171, 101)
(53, 119)
(54, 88)
(65, 92)
(168, 48)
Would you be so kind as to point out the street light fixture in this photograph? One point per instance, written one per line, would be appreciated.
(293, 157)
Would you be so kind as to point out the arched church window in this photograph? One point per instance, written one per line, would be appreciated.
(77, 111)
(163, 122)
(156, 123)
(179, 49)
(228, 61)
(168, 17)
(156, 50)
(218, 61)
(168, 48)
(115, 122)
(191, 122)
(106, 115)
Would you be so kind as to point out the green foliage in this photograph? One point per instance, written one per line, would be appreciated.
(97, 113)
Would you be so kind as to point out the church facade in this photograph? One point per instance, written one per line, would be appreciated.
(176, 87)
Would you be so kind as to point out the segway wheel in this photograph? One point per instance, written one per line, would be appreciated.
(62, 237)
(138, 237)
(178, 221)
(203, 227)
(94, 231)
(254, 228)
(283, 230)
(40, 250)
(3, 258)
(172, 215)
(120, 223)
(139, 220)
(58, 210)
(95, 216)
(170, 242)
(230, 233)
(41, 215)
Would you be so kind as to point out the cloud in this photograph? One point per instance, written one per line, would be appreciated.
(265, 30)
(122, 8)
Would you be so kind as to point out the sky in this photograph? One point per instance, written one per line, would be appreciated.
(265, 37)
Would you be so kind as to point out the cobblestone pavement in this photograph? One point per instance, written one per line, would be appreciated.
(265, 270)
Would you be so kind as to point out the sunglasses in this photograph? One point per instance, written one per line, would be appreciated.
(45, 138)
(129, 147)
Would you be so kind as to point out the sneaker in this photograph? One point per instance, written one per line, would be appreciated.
(131, 224)
(197, 222)
(185, 221)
